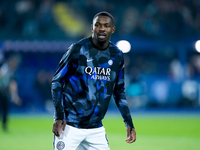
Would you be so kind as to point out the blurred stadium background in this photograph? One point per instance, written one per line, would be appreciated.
(162, 67)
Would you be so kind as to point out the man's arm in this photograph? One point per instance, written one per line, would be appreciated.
(57, 90)
(14, 92)
(121, 102)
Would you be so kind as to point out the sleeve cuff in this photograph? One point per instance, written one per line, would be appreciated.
(59, 116)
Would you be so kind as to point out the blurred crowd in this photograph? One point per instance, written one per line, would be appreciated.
(64, 19)
(167, 76)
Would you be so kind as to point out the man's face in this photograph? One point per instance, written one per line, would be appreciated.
(102, 28)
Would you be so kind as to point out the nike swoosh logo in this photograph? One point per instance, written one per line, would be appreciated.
(88, 60)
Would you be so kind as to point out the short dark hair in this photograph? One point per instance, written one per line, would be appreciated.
(105, 13)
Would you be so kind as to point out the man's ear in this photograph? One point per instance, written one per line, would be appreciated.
(92, 27)
(113, 29)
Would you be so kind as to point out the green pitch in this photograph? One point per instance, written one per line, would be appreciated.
(167, 132)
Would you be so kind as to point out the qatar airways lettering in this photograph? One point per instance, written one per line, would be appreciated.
(98, 73)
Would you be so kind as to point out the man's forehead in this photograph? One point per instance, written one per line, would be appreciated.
(102, 19)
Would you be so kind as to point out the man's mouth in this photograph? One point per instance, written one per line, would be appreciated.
(101, 36)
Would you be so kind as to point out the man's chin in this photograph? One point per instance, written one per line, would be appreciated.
(101, 40)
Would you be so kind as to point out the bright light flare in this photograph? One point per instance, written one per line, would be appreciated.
(124, 46)
(197, 46)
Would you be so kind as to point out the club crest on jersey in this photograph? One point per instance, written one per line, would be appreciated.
(60, 145)
(98, 73)
(110, 62)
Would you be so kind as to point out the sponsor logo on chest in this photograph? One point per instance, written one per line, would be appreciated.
(99, 73)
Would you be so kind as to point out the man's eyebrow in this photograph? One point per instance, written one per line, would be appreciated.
(104, 23)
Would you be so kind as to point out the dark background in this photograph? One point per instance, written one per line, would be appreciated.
(162, 68)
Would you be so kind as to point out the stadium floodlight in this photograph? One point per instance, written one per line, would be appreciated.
(124, 46)
(197, 46)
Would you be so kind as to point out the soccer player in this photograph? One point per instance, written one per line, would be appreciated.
(8, 87)
(89, 73)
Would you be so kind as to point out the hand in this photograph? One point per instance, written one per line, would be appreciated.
(57, 125)
(131, 135)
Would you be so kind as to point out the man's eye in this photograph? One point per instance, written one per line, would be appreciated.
(96, 25)
(107, 26)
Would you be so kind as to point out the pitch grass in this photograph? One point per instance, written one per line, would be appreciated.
(153, 133)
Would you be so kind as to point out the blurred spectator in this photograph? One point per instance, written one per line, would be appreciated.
(190, 93)
(176, 71)
(130, 21)
(194, 67)
(44, 16)
(8, 87)
(166, 19)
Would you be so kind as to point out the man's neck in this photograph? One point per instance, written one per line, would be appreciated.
(100, 45)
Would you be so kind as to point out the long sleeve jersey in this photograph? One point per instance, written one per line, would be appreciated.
(84, 83)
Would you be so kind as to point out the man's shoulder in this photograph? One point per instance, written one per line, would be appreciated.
(77, 46)
(82, 42)
(114, 48)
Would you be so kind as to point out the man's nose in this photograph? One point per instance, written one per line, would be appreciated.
(102, 28)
